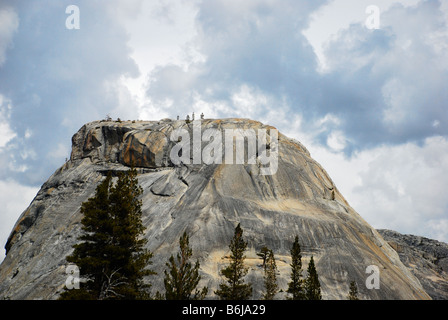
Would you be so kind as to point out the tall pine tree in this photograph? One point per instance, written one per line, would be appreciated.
(295, 286)
(270, 276)
(235, 288)
(111, 254)
(312, 284)
(182, 278)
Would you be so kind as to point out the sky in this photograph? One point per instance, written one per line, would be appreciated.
(363, 89)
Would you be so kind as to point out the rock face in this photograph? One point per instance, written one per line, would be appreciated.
(208, 201)
(426, 258)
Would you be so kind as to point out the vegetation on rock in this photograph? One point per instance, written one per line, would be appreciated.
(235, 288)
(111, 255)
(182, 277)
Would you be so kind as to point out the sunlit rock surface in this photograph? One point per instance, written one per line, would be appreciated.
(207, 201)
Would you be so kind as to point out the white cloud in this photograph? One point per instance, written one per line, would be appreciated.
(160, 33)
(14, 198)
(58, 153)
(397, 187)
(330, 19)
(59, 79)
(336, 140)
(388, 85)
(396, 95)
(6, 132)
(247, 100)
(28, 133)
(435, 123)
(8, 27)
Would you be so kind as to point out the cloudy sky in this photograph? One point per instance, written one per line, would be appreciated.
(365, 91)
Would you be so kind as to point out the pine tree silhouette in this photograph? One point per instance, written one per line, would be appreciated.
(111, 255)
(235, 288)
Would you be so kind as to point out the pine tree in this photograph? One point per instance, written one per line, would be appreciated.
(235, 288)
(312, 284)
(353, 293)
(270, 277)
(111, 254)
(295, 287)
(263, 254)
(183, 278)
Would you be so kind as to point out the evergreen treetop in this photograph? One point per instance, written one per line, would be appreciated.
(234, 288)
(111, 254)
(270, 277)
(182, 278)
(312, 284)
(295, 286)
